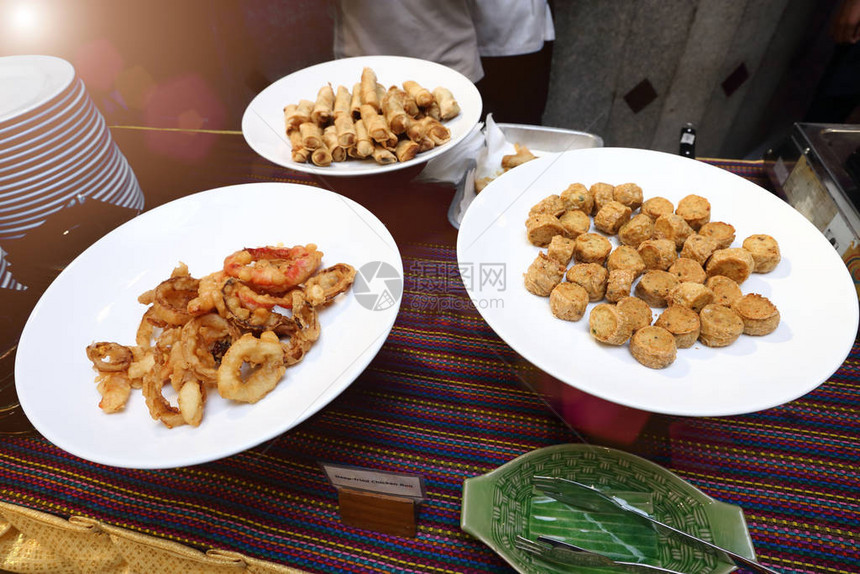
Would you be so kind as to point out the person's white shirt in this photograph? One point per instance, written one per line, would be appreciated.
(441, 31)
(511, 27)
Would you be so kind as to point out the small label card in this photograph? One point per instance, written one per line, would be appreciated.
(374, 500)
(390, 483)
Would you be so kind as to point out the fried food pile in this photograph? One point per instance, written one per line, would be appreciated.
(389, 125)
(225, 331)
(669, 257)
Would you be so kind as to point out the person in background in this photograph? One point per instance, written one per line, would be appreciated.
(503, 46)
(837, 98)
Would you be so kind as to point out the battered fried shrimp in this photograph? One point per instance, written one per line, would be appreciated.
(274, 269)
(264, 356)
(115, 389)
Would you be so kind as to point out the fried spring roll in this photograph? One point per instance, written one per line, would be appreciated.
(368, 89)
(406, 150)
(324, 106)
(342, 101)
(338, 152)
(311, 135)
(420, 94)
(415, 130)
(425, 144)
(321, 156)
(395, 115)
(345, 129)
(436, 131)
(375, 124)
(299, 153)
(355, 101)
(383, 156)
(433, 111)
(363, 142)
(448, 106)
(291, 120)
(303, 111)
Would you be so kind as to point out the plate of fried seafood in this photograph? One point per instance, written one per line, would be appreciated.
(361, 116)
(228, 323)
(658, 282)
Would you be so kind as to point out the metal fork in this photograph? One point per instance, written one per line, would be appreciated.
(561, 552)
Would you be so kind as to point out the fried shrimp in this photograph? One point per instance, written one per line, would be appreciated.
(274, 269)
(265, 359)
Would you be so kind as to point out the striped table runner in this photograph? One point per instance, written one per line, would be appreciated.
(443, 401)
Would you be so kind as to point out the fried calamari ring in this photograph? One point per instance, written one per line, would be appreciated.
(273, 270)
(109, 357)
(153, 382)
(172, 297)
(324, 286)
(266, 360)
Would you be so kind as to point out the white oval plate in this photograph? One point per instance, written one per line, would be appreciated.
(54, 378)
(263, 121)
(811, 287)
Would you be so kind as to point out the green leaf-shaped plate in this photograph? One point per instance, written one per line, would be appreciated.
(502, 504)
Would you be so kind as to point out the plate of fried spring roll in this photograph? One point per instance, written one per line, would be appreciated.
(362, 116)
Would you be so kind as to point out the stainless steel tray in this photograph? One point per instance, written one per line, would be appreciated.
(540, 140)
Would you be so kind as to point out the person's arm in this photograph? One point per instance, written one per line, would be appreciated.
(846, 24)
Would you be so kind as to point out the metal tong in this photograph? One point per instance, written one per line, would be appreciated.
(587, 497)
(562, 552)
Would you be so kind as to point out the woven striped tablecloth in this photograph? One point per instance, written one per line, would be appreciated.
(442, 400)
